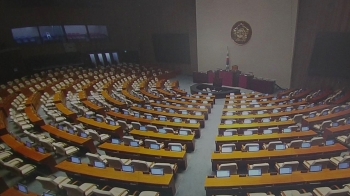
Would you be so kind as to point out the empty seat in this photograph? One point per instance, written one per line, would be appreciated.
(232, 167)
(148, 142)
(65, 151)
(115, 191)
(316, 141)
(149, 193)
(246, 146)
(168, 168)
(326, 191)
(53, 184)
(259, 194)
(22, 170)
(271, 145)
(140, 165)
(96, 157)
(323, 162)
(116, 162)
(295, 193)
(293, 164)
(340, 159)
(232, 146)
(344, 139)
(83, 190)
(263, 166)
(295, 144)
(323, 125)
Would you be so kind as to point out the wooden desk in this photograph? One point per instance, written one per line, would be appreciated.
(320, 119)
(278, 114)
(44, 159)
(207, 105)
(134, 99)
(256, 109)
(136, 180)
(223, 127)
(171, 115)
(290, 154)
(204, 111)
(102, 127)
(157, 123)
(343, 99)
(236, 184)
(3, 123)
(239, 140)
(238, 102)
(33, 116)
(94, 107)
(66, 111)
(112, 101)
(58, 97)
(129, 152)
(332, 132)
(166, 138)
(34, 100)
(82, 96)
(14, 192)
(74, 140)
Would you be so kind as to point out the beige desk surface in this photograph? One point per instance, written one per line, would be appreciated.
(111, 174)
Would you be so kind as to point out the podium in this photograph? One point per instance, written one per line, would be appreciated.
(245, 81)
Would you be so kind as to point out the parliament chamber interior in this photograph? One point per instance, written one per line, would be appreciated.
(122, 98)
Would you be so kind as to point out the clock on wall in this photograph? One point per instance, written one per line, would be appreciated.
(241, 32)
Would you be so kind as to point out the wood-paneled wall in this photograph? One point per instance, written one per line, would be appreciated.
(317, 16)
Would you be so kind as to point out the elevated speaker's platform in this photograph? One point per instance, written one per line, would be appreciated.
(218, 92)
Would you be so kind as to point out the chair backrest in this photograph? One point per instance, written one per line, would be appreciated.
(152, 128)
(229, 166)
(316, 141)
(263, 166)
(140, 165)
(293, 164)
(114, 162)
(93, 157)
(245, 147)
(323, 162)
(148, 142)
(73, 190)
(295, 143)
(95, 136)
(338, 192)
(167, 167)
(59, 149)
(47, 145)
(47, 183)
(272, 145)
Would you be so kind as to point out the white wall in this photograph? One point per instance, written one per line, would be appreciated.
(269, 52)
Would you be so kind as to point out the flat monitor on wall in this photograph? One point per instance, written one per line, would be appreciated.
(26, 35)
(97, 32)
(76, 32)
(52, 33)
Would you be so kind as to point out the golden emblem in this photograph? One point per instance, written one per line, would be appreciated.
(241, 32)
